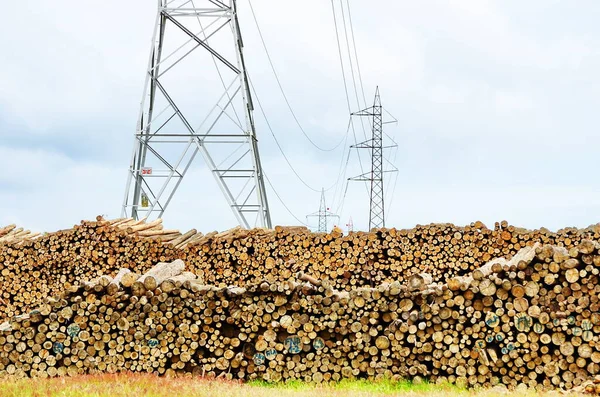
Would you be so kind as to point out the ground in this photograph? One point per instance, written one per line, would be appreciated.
(149, 385)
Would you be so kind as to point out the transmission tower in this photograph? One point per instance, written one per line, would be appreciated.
(196, 101)
(350, 225)
(375, 176)
(323, 214)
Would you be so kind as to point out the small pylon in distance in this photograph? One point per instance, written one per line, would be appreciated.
(350, 225)
(323, 214)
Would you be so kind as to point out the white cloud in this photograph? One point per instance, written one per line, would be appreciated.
(442, 94)
(513, 101)
(53, 191)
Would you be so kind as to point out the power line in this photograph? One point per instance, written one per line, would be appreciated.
(337, 36)
(394, 168)
(352, 67)
(360, 79)
(341, 205)
(281, 87)
(396, 178)
(392, 163)
(262, 110)
(356, 53)
(343, 168)
(393, 191)
(281, 201)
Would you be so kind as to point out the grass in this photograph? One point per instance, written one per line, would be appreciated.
(359, 386)
(149, 385)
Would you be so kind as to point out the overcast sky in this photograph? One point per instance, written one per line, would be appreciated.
(497, 106)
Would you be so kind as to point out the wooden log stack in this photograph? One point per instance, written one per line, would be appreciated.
(240, 257)
(14, 235)
(533, 319)
(33, 266)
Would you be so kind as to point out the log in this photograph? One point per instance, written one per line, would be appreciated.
(174, 282)
(115, 285)
(420, 282)
(146, 226)
(160, 272)
(184, 237)
(305, 277)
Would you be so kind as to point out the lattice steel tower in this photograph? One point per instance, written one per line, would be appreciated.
(376, 212)
(323, 214)
(196, 101)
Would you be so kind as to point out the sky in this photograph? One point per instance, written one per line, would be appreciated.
(496, 106)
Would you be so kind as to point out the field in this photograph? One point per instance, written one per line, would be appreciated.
(149, 385)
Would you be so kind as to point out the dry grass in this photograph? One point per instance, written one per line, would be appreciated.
(148, 385)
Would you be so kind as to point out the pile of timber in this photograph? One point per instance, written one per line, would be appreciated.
(241, 257)
(14, 235)
(533, 319)
(33, 266)
(154, 231)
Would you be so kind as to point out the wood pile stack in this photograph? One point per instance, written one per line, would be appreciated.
(240, 257)
(32, 268)
(153, 231)
(533, 320)
(14, 235)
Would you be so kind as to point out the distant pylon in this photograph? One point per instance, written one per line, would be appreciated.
(323, 214)
(375, 176)
(350, 225)
(189, 108)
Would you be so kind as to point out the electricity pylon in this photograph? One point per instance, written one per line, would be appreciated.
(196, 101)
(350, 225)
(323, 214)
(375, 176)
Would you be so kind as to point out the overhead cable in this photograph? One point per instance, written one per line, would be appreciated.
(362, 88)
(346, 37)
(337, 36)
(282, 202)
(282, 90)
(262, 110)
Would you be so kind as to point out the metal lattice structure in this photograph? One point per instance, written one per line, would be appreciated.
(375, 176)
(196, 101)
(323, 215)
(350, 225)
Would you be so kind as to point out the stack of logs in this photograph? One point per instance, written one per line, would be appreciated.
(33, 266)
(13, 235)
(533, 320)
(242, 257)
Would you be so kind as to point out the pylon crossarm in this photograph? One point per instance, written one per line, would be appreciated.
(363, 113)
(363, 145)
